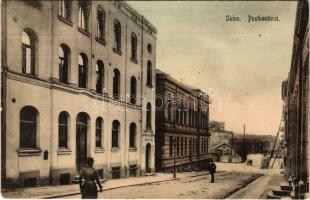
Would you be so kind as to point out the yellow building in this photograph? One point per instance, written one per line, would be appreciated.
(78, 80)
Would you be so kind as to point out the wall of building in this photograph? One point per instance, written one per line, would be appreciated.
(172, 94)
(50, 97)
(297, 101)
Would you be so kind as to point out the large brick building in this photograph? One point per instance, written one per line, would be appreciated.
(295, 94)
(182, 118)
(78, 80)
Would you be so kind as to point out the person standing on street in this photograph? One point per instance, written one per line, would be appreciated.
(88, 187)
(212, 169)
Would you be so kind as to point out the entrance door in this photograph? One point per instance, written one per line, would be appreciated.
(81, 141)
(148, 158)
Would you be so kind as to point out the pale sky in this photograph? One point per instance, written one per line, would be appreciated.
(242, 64)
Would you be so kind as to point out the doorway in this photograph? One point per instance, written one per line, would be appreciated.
(81, 140)
(148, 158)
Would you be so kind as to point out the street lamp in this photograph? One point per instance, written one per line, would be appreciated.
(174, 150)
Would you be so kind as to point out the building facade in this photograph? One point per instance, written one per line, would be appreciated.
(78, 80)
(182, 119)
(253, 144)
(221, 142)
(296, 100)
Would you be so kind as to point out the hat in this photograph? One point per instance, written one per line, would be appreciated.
(90, 159)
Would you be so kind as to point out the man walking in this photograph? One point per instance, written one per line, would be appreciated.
(212, 169)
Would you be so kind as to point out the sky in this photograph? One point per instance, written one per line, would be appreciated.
(240, 64)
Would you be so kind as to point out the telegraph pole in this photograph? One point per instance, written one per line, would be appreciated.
(243, 146)
(174, 149)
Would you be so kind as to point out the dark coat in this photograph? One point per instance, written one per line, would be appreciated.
(212, 168)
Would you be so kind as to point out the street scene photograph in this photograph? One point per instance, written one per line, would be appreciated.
(155, 99)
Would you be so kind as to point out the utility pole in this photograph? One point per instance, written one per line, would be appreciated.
(243, 146)
(231, 143)
(174, 149)
(198, 129)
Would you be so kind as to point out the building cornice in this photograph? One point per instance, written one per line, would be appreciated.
(69, 88)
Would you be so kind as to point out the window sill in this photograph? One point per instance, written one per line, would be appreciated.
(101, 41)
(134, 60)
(64, 151)
(132, 149)
(114, 149)
(99, 150)
(29, 152)
(149, 86)
(117, 51)
(85, 32)
(65, 20)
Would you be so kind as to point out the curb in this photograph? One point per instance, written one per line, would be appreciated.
(239, 188)
(112, 188)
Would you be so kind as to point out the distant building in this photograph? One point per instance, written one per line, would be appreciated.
(182, 119)
(220, 142)
(216, 126)
(252, 144)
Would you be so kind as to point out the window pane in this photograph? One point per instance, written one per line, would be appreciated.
(25, 38)
(27, 134)
(28, 60)
(98, 138)
(63, 136)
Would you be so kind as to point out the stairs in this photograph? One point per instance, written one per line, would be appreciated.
(282, 192)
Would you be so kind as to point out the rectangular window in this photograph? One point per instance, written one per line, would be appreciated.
(116, 172)
(98, 138)
(178, 146)
(182, 147)
(64, 179)
(133, 170)
(28, 134)
(185, 146)
(194, 146)
(30, 182)
(170, 146)
(63, 140)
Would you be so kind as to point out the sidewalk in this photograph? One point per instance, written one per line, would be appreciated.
(73, 189)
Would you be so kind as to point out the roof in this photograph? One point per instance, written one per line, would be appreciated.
(185, 86)
(139, 16)
(219, 145)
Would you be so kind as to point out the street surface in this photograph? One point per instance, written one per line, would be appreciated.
(193, 186)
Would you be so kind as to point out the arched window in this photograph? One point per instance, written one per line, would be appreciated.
(64, 58)
(28, 127)
(82, 70)
(149, 48)
(148, 115)
(132, 135)
(63, 130)
(116, 84)
(117, 35)
(149, 73)
(100, 76)
(84, 10)
(133, 90)
(64, 9)
(101, 18)
(28, 51)
(115, 134)
(134, 43)
(99, 122)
